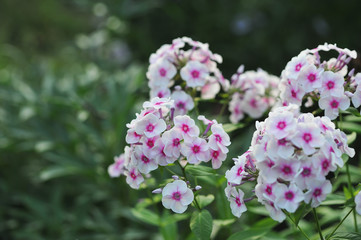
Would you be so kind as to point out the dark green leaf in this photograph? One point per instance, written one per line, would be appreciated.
(229, 127)
(201, 224)
(351, 127)
(204, 200)
(354, 111)
(199, 170)
(146, 216)
(333, 199)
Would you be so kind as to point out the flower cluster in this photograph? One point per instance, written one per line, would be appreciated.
(180, 69)
(253, 93)
(158, 138)
(290, 156)
(328, 82)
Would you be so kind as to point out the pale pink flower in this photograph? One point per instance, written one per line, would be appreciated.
(177, 196)
(160, 156)
(332, 84)
(161, 72)
(288, 198)
(358, 203)
(196, 150)
(217, 157)
(182, 102)
(236, 173)
(219, 139)
(145, 161)
(117, 168)
(161, 92)
(318, 192)
(132, 136)
(194, 73)
(150, 126)
(281, 124)
(268, 170)
(356, 98)
(274, 211)
(134, 177)
(186, 126)
(308, 137)
(280, 148)
(332, 104)
(294, 67)
(292, 92)
(237, 204)
(308, 174)
(310, 78)
(323, 164)
(287, 169)
(172, 140)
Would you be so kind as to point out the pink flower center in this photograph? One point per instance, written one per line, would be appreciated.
(311, 77)
(150, 143)
(218, 138)
(160, 95)
(253, 103)
(298, 67)
(269, 190)
(238, 202)
(317, 192)
(180, 105)
(177, 196)
(133, 176)
(176, 142)
(150, 127)
(195, 149)
(306, 172)
(281, 125)
(162, 72)
(195, 74)
(330, 85)
(307, 137)
(185, 128)
(282, 142)
(270, 164)
(287, 170)
(215, 154)
(239, 171)
(293, 93)
(145, 159)
(325, 164)
(289, 195)
(334, 104)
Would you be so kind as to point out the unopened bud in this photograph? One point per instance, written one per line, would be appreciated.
(175, 177)
(156, 191)
(197, 188)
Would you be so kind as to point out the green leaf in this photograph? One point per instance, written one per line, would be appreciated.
(199, 170)
(333, 199)
(204, 200)
(168, 229)
(346, 235)
(351, 138)
(351, 127)
(354, 111)
(146, 216)
(223, 222)
(258, 230)
(60, 171)
(201, 224)
(302, 211)
(229, 127)
(347, 193)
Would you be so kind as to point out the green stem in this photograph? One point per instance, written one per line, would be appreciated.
(340, 223)
(349, 183)
(317, 223)
(170, 171)
(296, 225)
(185, 178)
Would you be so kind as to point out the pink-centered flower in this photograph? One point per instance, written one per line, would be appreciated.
(288, 198)
(332, 84)
(358, 203)
(134, 177)
(308, 137)
(117, 168)
(194, 73)
(182, 102)
(150, 126)
(177, 196)
(310, 78)
(196, 150)
(161, 72)
(219, 139)
(318, 192)
(237, 204)
(281, 125)
(186, 126)
(236, 173)
(332, 105)
(217, 157)
(172, 141)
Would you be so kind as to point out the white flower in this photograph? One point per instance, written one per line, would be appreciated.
(358, 203)
(171, 140)
(194, 73)
(219, 139)
(134, 177)
(308, 137)
(288, 198)
(318, 192)
(280, 125)
(196, 150)
(117, 168)
(182, 102)
(186, 126)
(237, 205)
(177, 196)
(150, 126)
(161, 72)
(236, 173)
(332, 84)
(217, 157)
(332, 104)
(310, 78)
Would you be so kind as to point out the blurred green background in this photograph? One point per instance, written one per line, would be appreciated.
(72, 74)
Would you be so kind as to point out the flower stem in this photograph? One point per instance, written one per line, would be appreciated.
(340, 223)
(296, 225)
(349, 183)
(317, 223)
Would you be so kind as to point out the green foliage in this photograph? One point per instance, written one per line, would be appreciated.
(201, 224)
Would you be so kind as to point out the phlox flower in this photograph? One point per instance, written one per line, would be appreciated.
(237, 204)
(236, 173)
(219, 139)
(182, 102)
(310, 78)
(358, 203)
(186, 126)
(217, 157)
(274, 211)
(177, 196)
(332, 104)
(150, 126)
(308, 137)
(194, 73)
(288, 198)
(318, 192)
(160, 156)
(117, 168)
(196, 150)
(161, 72)
(134, 177)
(144, 160)
(172, 140)
(294, 67)
(332, 84)
(280, 125)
